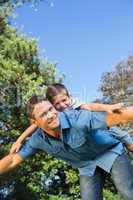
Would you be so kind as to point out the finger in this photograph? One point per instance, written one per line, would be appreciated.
(109, 111)
(17, 149)
(121, 104)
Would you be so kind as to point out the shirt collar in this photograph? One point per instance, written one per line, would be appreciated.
(64, 122)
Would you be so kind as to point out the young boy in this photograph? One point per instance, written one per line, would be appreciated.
(59, 96)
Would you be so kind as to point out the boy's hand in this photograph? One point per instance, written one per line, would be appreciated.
(130, 147)
(15, 147)
(114, 108)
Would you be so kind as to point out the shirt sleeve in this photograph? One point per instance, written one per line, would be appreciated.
(97, 120)
(122, 135)
(27, 150)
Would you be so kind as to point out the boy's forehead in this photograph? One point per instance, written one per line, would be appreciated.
(60, 96)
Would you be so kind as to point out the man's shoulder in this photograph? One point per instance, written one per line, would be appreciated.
(73, 113)
(36, 133)
(74, 117)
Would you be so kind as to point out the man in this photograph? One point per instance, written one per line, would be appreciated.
(73, 137)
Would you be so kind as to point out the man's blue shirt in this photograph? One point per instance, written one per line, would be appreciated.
(85, 142)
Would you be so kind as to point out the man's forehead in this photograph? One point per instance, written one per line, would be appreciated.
(42, 106)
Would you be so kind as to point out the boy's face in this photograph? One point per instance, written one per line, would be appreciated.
(61, 101)
(46, 117)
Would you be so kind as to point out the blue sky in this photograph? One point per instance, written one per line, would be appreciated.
(85, 37)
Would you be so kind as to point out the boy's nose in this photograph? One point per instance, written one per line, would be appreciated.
(63, 105)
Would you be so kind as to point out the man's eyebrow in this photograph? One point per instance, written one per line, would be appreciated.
(41, 115)
(45, 112)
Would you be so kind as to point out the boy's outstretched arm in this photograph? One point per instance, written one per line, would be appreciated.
(16, 146)
(109, 108)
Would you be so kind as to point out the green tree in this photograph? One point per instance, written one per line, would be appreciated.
(11, 5)
(23, 73)
(117, 85)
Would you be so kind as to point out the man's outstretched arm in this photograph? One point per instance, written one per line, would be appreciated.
(9, 162)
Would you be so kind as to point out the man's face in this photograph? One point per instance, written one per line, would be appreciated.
(46, 117)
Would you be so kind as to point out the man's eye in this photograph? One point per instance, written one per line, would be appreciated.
(44, 114)
(51, 109)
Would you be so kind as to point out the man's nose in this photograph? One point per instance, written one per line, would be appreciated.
(50, 114)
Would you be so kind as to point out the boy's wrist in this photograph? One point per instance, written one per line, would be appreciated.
(19, 141)
(129, 147)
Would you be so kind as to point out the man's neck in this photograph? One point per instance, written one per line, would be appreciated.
(55, 133)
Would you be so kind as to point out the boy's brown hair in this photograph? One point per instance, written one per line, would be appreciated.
(54, 89)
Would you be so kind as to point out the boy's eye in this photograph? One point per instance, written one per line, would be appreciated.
(51, 109)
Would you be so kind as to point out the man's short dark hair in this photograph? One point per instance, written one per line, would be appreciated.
(35, 99)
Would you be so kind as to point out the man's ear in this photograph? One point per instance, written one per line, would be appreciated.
(33, 121)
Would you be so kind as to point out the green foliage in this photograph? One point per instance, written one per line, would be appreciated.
(7, 7)
(117, 85)
(53, 197)
(110, 196)
(23, 73)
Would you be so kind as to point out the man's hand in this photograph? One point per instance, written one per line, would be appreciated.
(15, 147)
(129, 147)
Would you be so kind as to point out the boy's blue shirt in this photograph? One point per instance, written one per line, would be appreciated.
(85, 142)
